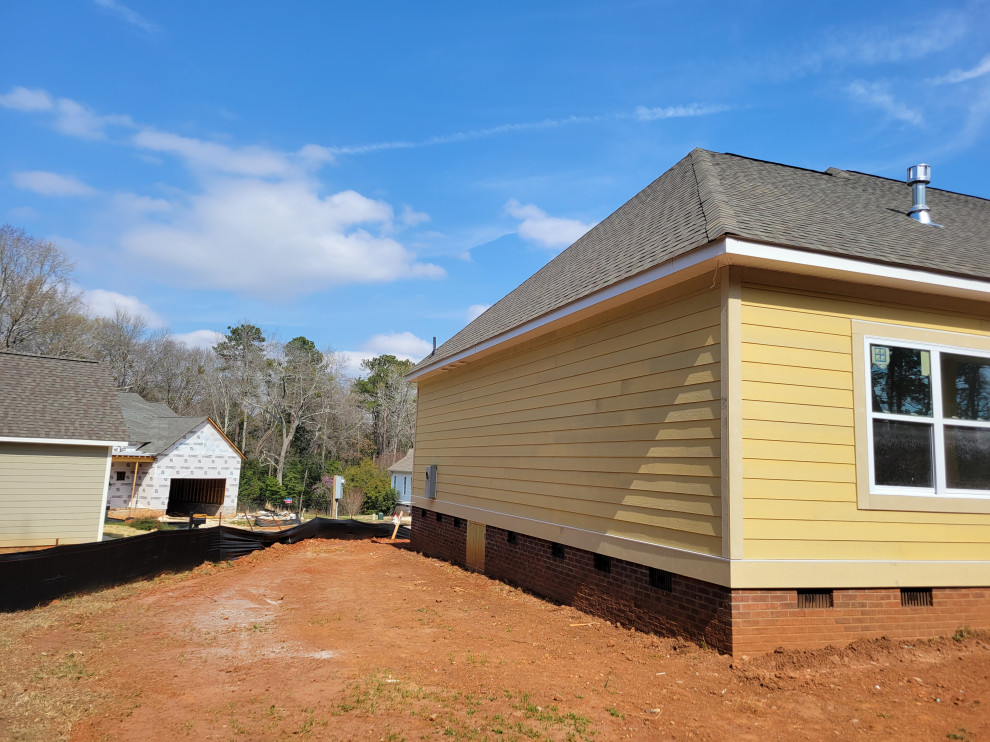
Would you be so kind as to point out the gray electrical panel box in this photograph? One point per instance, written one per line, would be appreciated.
(431, 481)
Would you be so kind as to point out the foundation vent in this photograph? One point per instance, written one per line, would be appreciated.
(603, 563)
(661, 579)
(916, 597)
(557, 550)
(512, 537)
(814, 599)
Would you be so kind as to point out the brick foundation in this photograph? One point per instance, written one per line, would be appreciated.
(691, 608)
(763, 620)
(731, 621)
(439, 538)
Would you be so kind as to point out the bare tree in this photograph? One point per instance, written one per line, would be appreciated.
(36, 296)
(352, 500)
(120, 343)
(299, 387)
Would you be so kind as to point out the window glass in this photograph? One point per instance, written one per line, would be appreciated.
(901, 379)
(902, 454)
(967, 458)
(965, 387)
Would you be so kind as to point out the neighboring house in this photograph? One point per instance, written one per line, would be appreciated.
(752, 406)
(402, 472)
(59, 421)
(173, 464)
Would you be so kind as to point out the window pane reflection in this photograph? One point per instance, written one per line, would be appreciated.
(902, 381)
(902, 453)
(967, 458)
(965, 387)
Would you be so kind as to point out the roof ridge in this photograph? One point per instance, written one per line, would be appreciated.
(720, 217)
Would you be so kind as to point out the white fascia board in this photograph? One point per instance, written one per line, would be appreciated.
(657, 273)
(756, 254)
(61, 441)
(735, 251)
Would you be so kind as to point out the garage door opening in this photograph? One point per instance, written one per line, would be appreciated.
(189, 496)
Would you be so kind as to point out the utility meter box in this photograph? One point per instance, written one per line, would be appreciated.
(338, 487)
(431, 482)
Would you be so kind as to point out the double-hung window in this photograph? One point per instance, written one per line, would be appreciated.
(928, 418)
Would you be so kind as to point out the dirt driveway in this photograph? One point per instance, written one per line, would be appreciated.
(356, 639)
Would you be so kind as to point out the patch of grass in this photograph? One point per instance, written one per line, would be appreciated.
(613, 711)
(962, 633)
(147, 523)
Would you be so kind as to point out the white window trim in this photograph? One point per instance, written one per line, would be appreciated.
(938, 499)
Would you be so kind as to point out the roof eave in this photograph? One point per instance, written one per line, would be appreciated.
(724, 251)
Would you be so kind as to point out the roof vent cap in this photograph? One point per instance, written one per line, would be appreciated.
(919, 176)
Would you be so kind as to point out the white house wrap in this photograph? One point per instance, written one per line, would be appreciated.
(181, 464)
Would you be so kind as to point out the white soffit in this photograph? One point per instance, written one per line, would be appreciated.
(733, 251)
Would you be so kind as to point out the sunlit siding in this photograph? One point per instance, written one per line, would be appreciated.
(799, 437)
(50, 493)
(610, 426)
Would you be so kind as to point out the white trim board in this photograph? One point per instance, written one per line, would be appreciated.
(728, 251)
(61, 441)
(736, 574)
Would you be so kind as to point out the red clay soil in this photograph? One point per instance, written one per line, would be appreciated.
(352, 639)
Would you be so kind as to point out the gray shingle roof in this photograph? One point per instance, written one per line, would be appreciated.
(405, 464)
(58, 398)
(153, 426)
(708, 195)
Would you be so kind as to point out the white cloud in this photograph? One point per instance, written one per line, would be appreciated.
(134, 204)
(68, 116)
(76, 120)
(130, 16)
(476, 310)
(412, 218)
(957, 76)
(22, 99)
(403, 345)
(51, 184)
(545, 230)
(252, 161)
(103, 303)
(641, 113)
(676, 112)
(278, 238)
(879, 96)
(199, 338)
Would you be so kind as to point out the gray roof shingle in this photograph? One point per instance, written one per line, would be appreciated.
(58, 398)
(708, 195)
(153, 426)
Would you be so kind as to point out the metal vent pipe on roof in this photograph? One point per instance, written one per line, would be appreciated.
(918, 177)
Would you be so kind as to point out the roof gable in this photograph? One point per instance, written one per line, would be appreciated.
(58, 399)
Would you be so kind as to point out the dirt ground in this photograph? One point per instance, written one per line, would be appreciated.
(359, 639)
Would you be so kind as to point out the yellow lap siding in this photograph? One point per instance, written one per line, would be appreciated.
(611, 426)
(799, 435)
(51, 492)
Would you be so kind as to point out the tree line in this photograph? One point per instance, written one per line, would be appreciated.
(288, 406)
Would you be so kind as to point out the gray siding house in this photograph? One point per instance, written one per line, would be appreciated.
(59, 422)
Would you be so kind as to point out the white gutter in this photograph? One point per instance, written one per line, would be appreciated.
(734, 251)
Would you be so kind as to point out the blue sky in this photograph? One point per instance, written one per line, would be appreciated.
(371, 175)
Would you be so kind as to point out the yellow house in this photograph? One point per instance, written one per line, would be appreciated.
(751, 407)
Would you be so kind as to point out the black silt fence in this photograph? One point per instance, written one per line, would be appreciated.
(30, 578)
